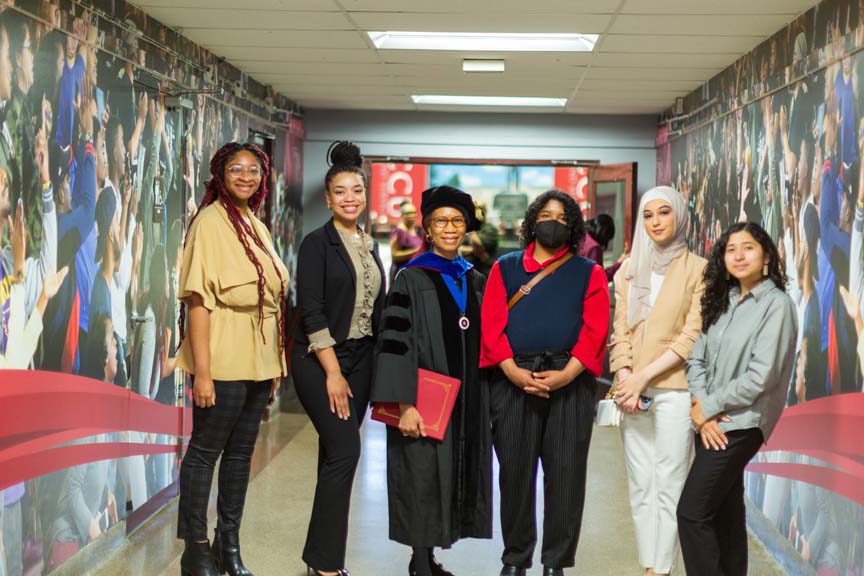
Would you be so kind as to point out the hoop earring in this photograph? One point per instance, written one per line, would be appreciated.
(429, 238)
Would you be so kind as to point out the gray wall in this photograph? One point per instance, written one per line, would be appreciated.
(609, 139)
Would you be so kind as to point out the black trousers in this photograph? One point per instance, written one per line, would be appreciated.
(338, 447)
(712, 524)
(557, 432)
(229, 429)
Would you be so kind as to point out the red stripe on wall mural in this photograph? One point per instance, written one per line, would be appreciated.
(50, 401)
(828, 430)
(834, 480)
(32, 465)
(43, 410)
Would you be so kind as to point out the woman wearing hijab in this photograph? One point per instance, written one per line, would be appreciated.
(657, 321)
(438, 492)
(547, 347)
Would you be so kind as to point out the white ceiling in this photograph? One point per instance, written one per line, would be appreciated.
(317, 53)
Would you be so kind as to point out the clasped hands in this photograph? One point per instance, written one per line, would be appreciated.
(540, 384)
(713, 437)
(628, 388)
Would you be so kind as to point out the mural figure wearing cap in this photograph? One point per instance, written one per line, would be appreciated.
(340, 291)
(438, 492)
(548, 347)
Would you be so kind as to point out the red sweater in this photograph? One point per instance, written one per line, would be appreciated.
(591, 345)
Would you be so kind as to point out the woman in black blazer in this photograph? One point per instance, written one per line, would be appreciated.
(341, 295)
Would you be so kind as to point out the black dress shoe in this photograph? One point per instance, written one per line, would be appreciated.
(313, 572)
(226, 554)
(197, 561)
(509, 570)
(437, 568)
(547, 571)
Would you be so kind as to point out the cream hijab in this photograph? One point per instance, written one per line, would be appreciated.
(647, 256)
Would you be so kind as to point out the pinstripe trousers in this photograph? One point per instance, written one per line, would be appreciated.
(556, 432)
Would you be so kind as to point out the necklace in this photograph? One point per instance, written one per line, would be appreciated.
(460, 296)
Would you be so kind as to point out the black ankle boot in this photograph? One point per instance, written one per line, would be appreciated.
(197, 561)
(226, 553)
(437, 568)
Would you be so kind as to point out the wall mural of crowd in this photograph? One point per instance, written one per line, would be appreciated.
(99, 173)
(778, 138)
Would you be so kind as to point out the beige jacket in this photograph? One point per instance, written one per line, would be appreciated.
(216, 267)
(674, 323)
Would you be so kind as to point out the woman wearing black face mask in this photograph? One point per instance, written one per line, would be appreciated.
(544, 322)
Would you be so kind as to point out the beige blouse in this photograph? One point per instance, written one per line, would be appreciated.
(216, 267)
(368, 282)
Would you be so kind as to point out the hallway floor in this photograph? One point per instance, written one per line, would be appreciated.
(280, 498)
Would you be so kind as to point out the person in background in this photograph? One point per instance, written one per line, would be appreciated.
(547, 349)
(739, 374)
(658, 318)
(438, 492)
(481, 249)
(406, 239)
(341, 294)
(599, 232)
(232, 282)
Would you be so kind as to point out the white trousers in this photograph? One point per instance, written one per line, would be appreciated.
(658, 450)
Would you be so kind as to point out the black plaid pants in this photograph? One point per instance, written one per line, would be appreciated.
(229, 429)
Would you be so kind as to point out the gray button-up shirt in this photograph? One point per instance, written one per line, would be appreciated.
(742, 366)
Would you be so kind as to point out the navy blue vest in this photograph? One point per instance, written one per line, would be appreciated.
(550, 317)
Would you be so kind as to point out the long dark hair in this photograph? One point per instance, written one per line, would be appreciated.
(571, 211)
(715, 300)
(216, 190)
(344, 156)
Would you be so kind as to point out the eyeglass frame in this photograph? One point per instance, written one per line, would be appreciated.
(434, 222)
(247, 170)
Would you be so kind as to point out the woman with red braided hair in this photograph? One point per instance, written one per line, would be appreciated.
(233, 284)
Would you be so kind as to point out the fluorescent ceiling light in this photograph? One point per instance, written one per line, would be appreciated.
(483, 65)
(483, 42)
(448, 100)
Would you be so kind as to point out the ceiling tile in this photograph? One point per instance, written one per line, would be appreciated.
(240, 55)
(641, 86)
(295, 5)
(788, 7)
(191, 18)
(299, 80)
(510, 58)
(483, 6)
(636, 73)
(314, 68)
(482, 22)
(680, 44)
(674, 61)
(371, 103)
(753, 25)
(214, 38)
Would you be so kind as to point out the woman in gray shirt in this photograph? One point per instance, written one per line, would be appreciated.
(739, 373)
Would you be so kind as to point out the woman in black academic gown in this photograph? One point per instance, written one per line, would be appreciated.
(438, 492)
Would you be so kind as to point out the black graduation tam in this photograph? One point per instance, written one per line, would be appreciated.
(440, 196)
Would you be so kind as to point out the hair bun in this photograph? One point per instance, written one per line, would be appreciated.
(344, 153)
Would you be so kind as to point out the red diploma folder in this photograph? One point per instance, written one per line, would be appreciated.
(436, 395)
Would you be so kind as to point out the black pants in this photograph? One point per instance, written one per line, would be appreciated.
(557, 432)
(338, 447)
(229, 428)
(712, 522)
